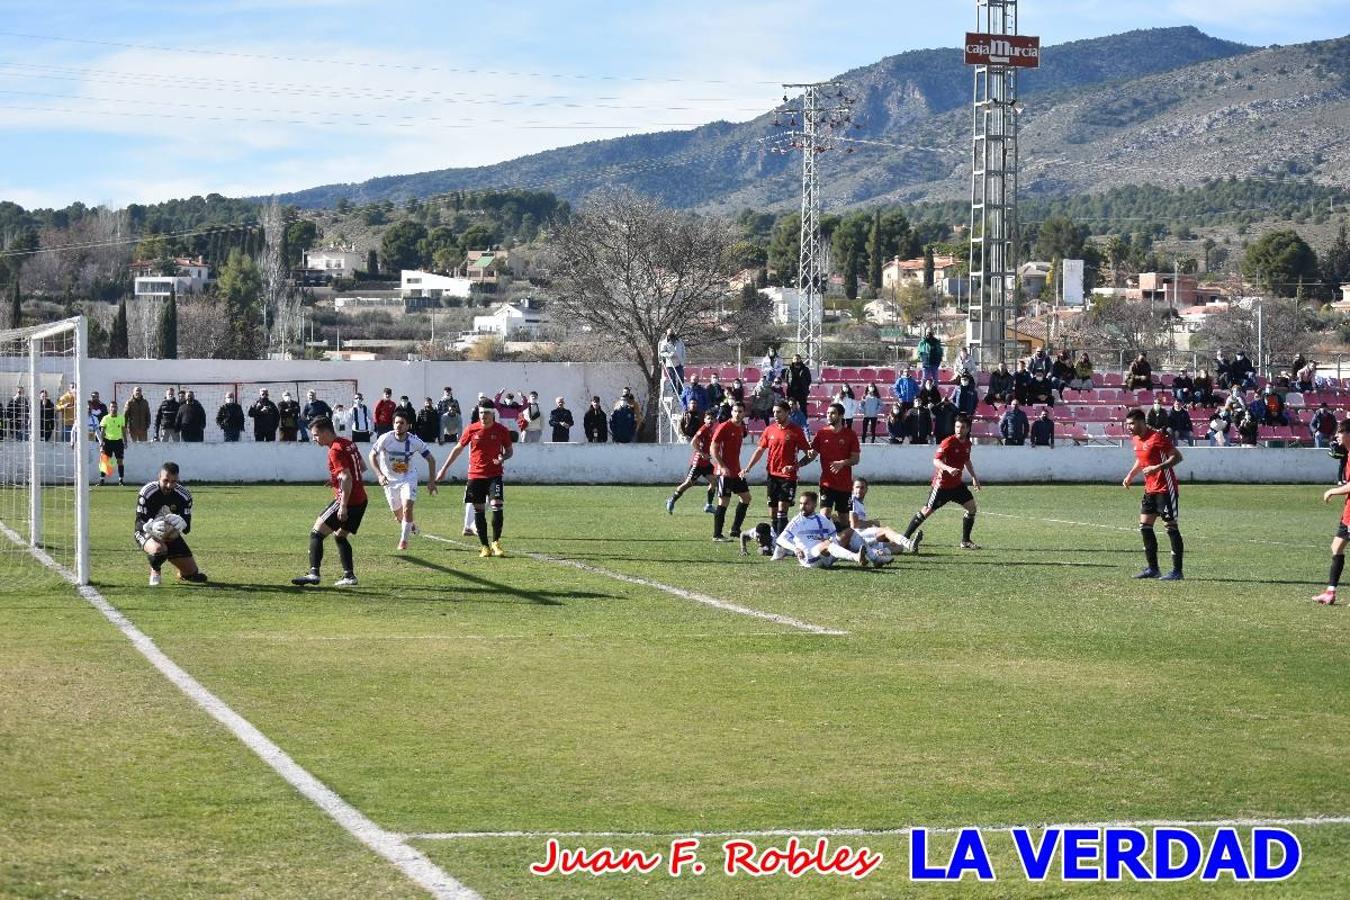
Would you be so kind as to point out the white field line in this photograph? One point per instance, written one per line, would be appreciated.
(668, 589)
(394, 848)
(883, 832)
(1121, 527)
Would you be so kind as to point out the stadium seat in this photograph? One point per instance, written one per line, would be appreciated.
(1143, 398)
(1113, 379)
(729, 374)
(1294, 399)
(867, 375)
(751, 374)
(887, 375)
(829, 373)
(1098, 379)
(848, 376)
(1165, 379)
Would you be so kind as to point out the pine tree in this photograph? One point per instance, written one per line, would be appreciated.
(928, 266)
(117, 338)
(875, 253)
(15, 306)
(372, 262)
(168, 328)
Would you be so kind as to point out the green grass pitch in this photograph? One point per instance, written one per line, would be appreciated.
(1032, 681)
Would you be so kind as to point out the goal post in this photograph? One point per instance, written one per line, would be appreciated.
(44, 452)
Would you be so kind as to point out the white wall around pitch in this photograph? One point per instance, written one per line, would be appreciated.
(667, 464)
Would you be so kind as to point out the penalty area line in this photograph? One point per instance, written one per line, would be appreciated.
(673, 591)
(392, 847)
(1310, 821)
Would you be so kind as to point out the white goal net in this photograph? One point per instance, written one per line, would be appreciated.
(44, 462)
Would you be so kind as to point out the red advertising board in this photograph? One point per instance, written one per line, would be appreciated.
(1020, 50)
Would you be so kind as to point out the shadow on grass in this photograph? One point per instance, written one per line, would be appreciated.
(488, 586)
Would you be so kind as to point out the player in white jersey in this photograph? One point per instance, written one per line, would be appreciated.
(870, 531)
(391, 457)
(813, 539)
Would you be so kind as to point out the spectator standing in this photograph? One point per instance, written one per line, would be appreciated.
(451, 425)
(772, 366)
(930, 356)
(691, 421)
(928, 394)
(798, 380)
(342, 421)
(595, 423)
(919, 423)
(65, 410)
(1307, 377)
(1275, 413)
(288, 417)
(534, 419)
(191, 421)
(966, 396)
(508, 411)
(944, 420)
(1180, 424)
(895, 424)
(672, 352)
(166, 418)
(694, 393)
(46, 415)
(1082, 373)
(964, 363)
(1249, 431)
(94, 413)
(428, 422)
(405, 408)
(1222, 370)
(1043, 430)
(871, 411)
(137, 413)
(16, 415)
(361, 419)
(265, 417)
(1000, 386)
(230, 418)
(384, 412)
(1013, 425)
(1323, 426)
(560, 420)
(314, 408)
(622, 423)
(715, 392)
(905, 389)
(737, 391)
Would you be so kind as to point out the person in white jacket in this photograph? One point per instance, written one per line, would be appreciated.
(672, 352)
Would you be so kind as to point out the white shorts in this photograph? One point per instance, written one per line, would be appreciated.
(823, 561)
(400, 491)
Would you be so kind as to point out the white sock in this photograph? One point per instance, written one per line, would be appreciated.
(406, 530)
(840, 552)
(468, 516)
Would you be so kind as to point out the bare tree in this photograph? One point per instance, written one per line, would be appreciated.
(143, 317)
(1118, 324)
(1286, 330)
(203, 328)
(281, 306)
(628, 269)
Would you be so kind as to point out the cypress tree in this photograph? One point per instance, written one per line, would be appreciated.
(168, 328)
(15, 305)
(117, 338)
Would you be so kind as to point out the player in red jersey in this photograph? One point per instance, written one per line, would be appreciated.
(783, 440)
(1155, 458)
(838, 450)
(952, 458)
(489, 443)
(1342, 489)
(726, 456)
(700, 464)
(343, 516)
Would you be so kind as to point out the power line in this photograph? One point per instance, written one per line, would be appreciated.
(460, 70)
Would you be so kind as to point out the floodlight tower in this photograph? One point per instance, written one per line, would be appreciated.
(997, 52)
(814, 128)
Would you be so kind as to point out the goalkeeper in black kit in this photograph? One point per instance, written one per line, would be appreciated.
(163, 516)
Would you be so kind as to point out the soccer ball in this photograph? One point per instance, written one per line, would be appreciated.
(879, 554)
(167, 527)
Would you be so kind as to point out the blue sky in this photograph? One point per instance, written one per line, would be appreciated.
(144, 101)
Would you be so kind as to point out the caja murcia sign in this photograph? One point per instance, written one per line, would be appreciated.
(1023, 51)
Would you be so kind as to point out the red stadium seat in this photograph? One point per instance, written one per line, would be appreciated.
(886, 375)
(1166, 379)
(848, 375)
(1098, 380)
(867, 375)
(751, 374)
(829, 373)
(1113, 379)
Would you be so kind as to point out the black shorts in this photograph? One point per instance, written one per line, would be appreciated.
(940, 497)
(782, 490)
(699, 470)
(114, 449)
(1343, 531)
(484, 490)
(838, 501)
(176, 548)
(1165, 506)
(354, 515)
(726, 486)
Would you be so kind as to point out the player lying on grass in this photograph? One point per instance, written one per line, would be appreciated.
(343, 516)
(1342, 489)
(163, 516)
(871, 531)
(391, 457)
(811, 537)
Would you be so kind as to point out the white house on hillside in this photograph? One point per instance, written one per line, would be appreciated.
(416, 283)
(783, 303)
(192, 278)
(520, 321)
(338, 263)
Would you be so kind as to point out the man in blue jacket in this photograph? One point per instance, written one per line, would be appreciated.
(905, 389)
(694, 393)
(1013, 426)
